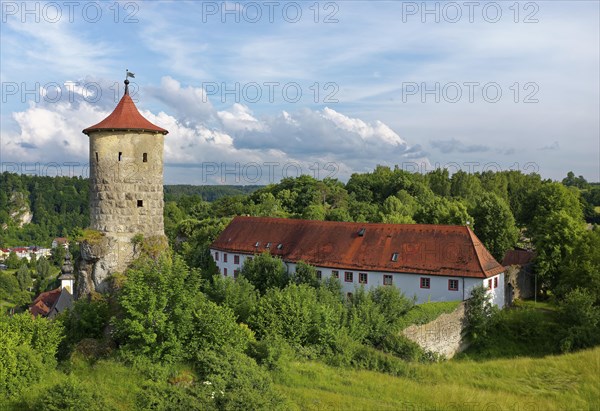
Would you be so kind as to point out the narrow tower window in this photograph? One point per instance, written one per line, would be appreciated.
(96, 156)
(140, 203)
(145, 157)
(120, 155)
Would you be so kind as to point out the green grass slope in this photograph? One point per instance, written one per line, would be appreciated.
(566, 382)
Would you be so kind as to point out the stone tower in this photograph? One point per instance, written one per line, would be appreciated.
(126, 191)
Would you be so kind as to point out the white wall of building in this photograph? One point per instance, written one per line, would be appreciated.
(409, 284)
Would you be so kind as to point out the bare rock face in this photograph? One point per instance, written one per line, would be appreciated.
(98, 260)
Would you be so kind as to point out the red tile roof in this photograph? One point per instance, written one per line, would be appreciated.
(422, 249)
(44, 302)
(518, 257)
(125, 117)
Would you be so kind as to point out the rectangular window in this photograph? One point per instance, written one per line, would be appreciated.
(349, 276)
(140, 203)
(236, 259)
(387, 279)
(453, 285)
(349, 296)
(145, 157)
(216, 256)
(249, 259)
(225, 272)
(319, 275)
(235, 273)
(335, 273)
(224, 257)
(489, 286)
(362, 278)
(120, 155)
(96, 156)
(496, 282)
(425, 282)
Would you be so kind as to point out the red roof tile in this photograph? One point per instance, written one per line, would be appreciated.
(422, 249)
(125, 117)
(44, 302)
(518, 257)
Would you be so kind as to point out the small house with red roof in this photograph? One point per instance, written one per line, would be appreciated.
(50, 303)
(430, 262)
(60, 241)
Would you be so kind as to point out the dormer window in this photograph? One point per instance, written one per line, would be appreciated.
(268, 245)
(395, 257)
(361, 232)
(279, 246)
(257, 244)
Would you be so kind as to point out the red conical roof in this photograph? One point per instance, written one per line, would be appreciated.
(125, 117)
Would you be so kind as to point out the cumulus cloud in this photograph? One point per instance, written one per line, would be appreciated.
(317, 142)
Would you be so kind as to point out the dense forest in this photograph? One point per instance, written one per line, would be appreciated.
(170, 334)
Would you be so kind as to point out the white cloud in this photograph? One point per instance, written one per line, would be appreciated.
(309, 140)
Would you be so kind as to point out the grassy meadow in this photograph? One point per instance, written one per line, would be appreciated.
(565, 382)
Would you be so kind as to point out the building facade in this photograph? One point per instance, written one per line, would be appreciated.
(429, 262)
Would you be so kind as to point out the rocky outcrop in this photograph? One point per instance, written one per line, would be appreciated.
(97, 262)
(19, 210)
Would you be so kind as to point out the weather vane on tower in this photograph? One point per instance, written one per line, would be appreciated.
(127, 75)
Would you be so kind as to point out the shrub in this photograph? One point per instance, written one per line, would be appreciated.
(167, 397)
(478, 314)
(214, 327)
(305, 274)
(402, 347)
(296, 314)
(156, 304)
(237, 381)
(239, 295)
(27, 348)
(580, 320)
(71, 395)
(85, 320)
(264, 272)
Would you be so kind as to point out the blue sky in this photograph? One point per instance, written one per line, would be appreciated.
(253, 91)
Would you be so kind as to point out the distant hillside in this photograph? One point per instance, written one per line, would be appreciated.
(208, 193)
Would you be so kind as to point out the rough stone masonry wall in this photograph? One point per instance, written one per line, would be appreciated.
(445, 335)
(118, 182)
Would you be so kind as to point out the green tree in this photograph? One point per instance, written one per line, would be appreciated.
(494, 224)
(581, 268)
(439, 182)
(555, 240)
(305, 274)
(442, 210)
(23, 277)
(465, 185)
(399, 209)
(12, 261)
(265, 271)
(571, 181)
